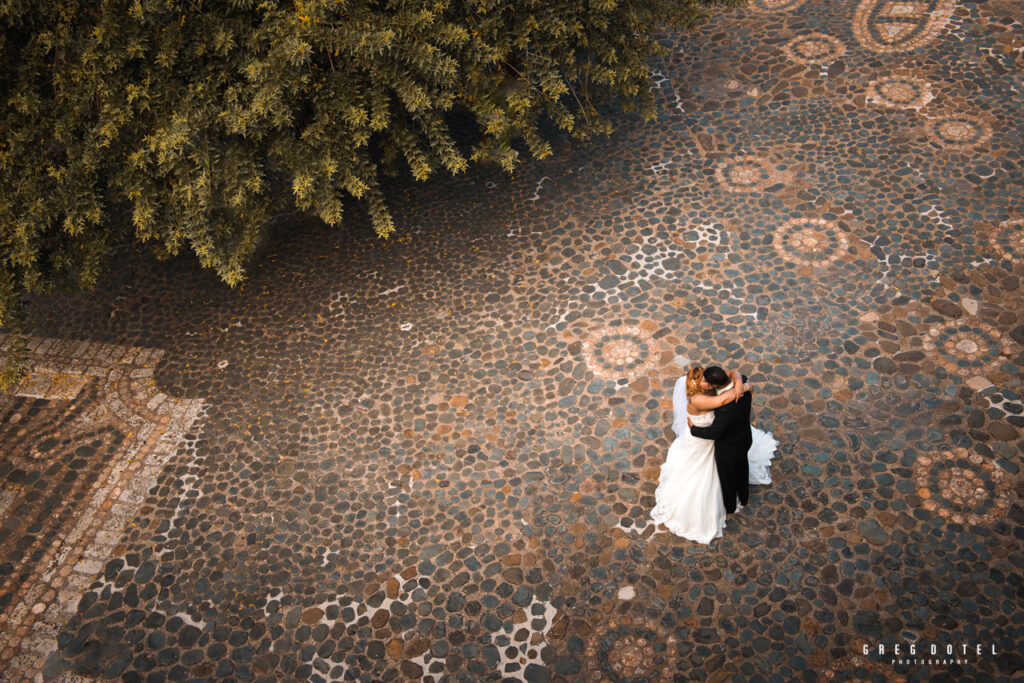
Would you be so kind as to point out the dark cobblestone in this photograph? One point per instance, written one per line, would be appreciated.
(436, 456)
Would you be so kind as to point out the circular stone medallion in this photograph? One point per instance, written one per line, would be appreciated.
(776, 5)
(810, 242)
(631, 652)
(1008, 240)
(901, 92)
(744, 174)
(617, 353)
(959, 131)
(962, 487)
(963, 349)
(814, 48)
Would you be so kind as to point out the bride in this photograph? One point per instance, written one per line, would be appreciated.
(688, 500)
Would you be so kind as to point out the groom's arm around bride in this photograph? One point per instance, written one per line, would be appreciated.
(726, 417)
(731, 433)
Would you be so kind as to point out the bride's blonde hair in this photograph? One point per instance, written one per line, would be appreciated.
(693, 380)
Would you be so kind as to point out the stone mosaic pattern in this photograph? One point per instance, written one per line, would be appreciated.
(814, 48)
(963, 487)
(434, 458)
(84, 434)
(893, 26)
(900, 89)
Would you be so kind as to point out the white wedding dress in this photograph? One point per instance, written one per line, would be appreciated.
(688, 500)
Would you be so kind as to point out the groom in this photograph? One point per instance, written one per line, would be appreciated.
(731, 434)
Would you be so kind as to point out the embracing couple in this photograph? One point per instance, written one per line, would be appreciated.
(714, 457)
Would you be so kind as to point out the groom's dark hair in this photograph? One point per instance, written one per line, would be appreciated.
(715, 376)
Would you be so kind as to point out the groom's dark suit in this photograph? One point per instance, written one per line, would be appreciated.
(731, 433)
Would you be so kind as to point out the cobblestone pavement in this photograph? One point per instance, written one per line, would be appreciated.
(435, 457)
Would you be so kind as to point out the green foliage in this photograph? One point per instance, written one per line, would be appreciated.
(185, 124)
(12, 361)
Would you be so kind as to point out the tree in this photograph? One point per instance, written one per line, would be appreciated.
(186, 124)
